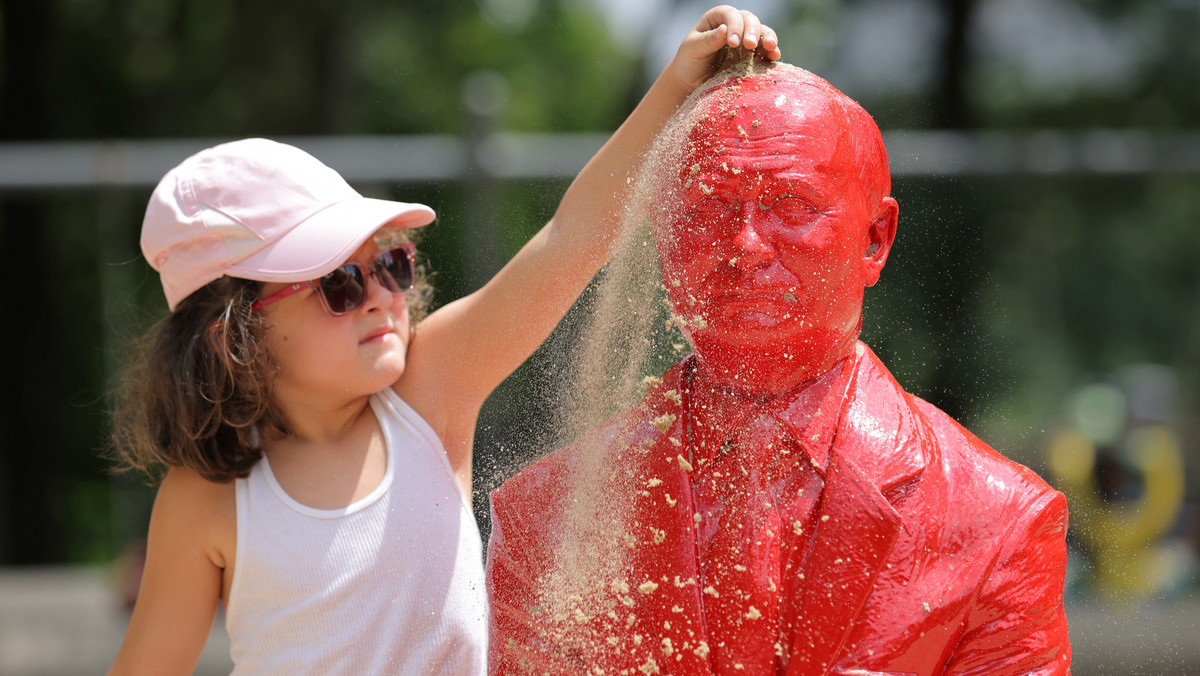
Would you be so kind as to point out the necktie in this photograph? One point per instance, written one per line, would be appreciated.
(742, 572)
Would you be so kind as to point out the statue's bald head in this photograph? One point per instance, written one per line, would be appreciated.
(772, 214)
(792, 91)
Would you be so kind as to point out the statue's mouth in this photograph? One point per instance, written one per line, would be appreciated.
(748, 309)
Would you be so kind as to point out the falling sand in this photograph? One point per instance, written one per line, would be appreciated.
(630, 337)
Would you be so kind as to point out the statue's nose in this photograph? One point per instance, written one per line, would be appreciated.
(751, 249)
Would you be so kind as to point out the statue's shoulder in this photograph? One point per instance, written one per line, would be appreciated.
(958, 440)
(970, 465)
(629, 434)
(976, 470)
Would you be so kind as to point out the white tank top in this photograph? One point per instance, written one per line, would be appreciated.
(392, 584)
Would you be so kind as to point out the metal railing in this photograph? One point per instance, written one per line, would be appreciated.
(53, 165)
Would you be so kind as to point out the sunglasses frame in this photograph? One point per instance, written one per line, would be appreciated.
(365, 272)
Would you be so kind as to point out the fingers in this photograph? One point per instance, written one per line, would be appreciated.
(714, 38)
(768, 44)
(708, 45)
(741, 28)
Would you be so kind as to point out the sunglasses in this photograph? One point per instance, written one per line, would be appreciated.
(345, 289)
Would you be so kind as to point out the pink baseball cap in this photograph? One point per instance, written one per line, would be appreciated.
(260, 210)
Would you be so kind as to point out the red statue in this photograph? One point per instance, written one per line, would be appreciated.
(777, 504)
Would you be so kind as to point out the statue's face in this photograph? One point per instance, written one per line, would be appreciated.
(767, 250)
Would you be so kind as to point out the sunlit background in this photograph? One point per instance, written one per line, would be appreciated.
(1044, 289)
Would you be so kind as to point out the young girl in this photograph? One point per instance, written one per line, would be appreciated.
(317, 446)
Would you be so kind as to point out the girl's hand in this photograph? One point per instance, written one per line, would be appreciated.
(721, 29)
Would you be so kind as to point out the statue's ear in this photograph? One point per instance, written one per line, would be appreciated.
(880, 235)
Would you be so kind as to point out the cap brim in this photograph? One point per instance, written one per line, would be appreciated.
(327, 238)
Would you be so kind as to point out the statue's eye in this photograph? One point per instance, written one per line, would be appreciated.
(787, 202)
(711, 205)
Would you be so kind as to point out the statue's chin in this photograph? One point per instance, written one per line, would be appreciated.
(764, 371)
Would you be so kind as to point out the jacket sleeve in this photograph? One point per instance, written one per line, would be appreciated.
(1019, 624)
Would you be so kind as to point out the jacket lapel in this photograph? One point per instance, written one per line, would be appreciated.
(855, 535)
(875, 459)
(661, 592)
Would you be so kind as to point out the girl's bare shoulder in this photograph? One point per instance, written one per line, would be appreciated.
(207, 510)
(186, 484)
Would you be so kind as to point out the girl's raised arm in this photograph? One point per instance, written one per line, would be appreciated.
(461, 352)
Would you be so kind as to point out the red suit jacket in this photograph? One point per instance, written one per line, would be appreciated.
(932, 553)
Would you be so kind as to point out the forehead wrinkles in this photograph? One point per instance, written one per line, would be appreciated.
(786, 132)
(767, 105)
(775, 152)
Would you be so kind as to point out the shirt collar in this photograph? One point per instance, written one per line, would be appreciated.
(810, 413)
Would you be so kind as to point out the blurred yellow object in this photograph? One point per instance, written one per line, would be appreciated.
(1122, 536)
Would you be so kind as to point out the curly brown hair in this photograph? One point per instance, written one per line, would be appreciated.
(198, 390)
